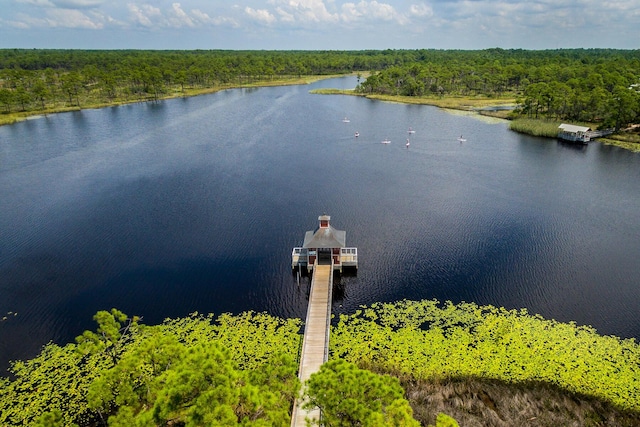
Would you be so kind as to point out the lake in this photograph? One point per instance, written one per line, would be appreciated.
(163, 209)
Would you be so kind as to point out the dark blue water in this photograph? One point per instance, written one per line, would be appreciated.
(186, 205)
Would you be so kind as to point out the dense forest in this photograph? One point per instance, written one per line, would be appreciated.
(595, 86)
(33, 80)
(599, 86)
(240, 370)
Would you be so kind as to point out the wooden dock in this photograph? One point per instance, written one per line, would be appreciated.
(315, 344)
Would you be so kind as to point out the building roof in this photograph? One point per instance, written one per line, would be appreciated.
(573, 128)
(325, 237)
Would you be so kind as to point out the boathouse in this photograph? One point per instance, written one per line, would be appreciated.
(574, 133)
(324, 246)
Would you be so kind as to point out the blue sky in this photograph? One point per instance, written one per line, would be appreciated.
(319, 24)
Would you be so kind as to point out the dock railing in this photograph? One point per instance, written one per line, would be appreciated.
(303, 257)
(349, 257)
(600, 133)
(315, 341)
(299, 257)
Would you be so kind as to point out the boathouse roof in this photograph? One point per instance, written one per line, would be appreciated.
(573, 128)
(325, 236)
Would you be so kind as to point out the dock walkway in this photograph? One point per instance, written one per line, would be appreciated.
(315, 344)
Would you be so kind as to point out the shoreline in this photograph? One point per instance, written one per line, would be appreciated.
(494, 107)
(498, 108)
(172, 93)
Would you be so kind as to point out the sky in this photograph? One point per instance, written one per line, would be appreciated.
(319, 24)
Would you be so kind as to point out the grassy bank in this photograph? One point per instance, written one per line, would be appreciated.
(535, 127)
(488, 403)
(466, 103)
(91, 102)
(629, 140)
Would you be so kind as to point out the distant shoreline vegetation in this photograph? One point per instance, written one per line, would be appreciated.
(504, 108)
(449, 357)
(597, 87)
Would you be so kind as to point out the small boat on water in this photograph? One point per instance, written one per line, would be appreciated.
(461, 139)
(386, 141)
(357, 134)
(407, 144)
(346, 120)
(411, 130)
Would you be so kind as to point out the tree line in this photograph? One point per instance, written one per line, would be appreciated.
(584, 85)
(32, 80)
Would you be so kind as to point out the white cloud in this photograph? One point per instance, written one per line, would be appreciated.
(201, 17)
(43, 3)
(109, 20)
(351, 13)
(65, 4)
(340, 23)
(420, 10)
(285, 16)
(69, 18)
(144, 14)
(61, 18)
(179, 18)
(78, 4)
(14, 24)
(27, 21)
(381, 11)
(303, 11)
(370, 11)
(260, 15)
(312, 11)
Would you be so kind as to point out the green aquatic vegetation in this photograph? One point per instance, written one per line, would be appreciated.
(426, 339)
(242, 368)
(55, 380)
(134, 373)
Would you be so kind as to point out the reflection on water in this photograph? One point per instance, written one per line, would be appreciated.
(194, 204)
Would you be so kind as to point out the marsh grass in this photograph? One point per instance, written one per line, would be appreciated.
(329, 91)
(629, 139)
(535, 127)
(475, 402)
(422, 340)
(466, 103)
